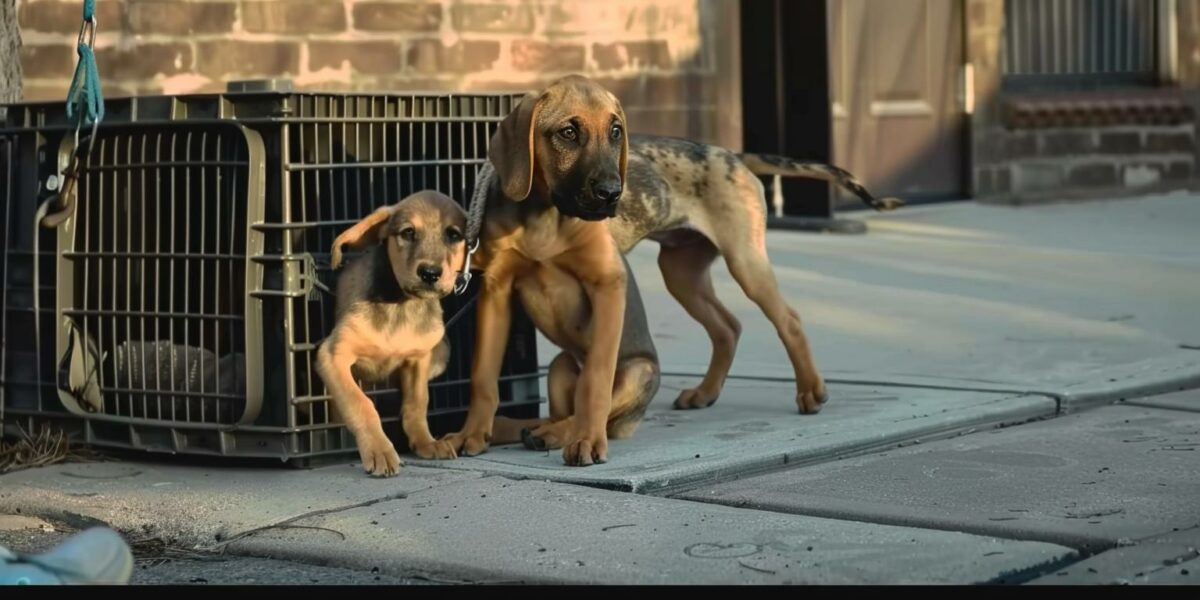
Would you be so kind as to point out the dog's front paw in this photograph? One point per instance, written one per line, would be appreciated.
(694, 398)
(810, 398)
(587, 450)
(379, 457)
(547, 436)
(468, 443)
(434, 450)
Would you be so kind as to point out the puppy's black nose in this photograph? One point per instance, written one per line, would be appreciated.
(429, 273)
(607, 191)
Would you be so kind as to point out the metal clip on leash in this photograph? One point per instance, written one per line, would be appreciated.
(464, 277)
(84, 90)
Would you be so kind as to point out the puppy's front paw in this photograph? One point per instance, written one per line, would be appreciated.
(379, 457)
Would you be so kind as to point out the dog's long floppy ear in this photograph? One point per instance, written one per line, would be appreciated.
(362, 233)
(511, 150)
(459, 260)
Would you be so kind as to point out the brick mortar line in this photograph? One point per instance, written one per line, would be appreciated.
(1092, 130)
(1113, 159)
(112, 38)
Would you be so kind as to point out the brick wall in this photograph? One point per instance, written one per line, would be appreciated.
(673, 63)
(1013, 162)
(1060, 162)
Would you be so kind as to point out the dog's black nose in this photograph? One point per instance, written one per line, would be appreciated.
(429, 273)
(607, 191)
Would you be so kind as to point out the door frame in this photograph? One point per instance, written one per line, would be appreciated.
(787, 103)
(785, 93)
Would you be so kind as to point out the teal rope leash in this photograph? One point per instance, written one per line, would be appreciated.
(85, 99)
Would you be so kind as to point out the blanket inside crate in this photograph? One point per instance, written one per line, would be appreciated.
(162, 365)
(215, 386)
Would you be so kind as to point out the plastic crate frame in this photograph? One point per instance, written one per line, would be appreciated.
(300, 167)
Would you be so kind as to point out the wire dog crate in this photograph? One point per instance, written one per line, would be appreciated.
(181, 306)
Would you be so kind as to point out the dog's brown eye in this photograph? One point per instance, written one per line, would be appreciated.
(616, 132)
(569, 133)
(408, 234)
(453, 236)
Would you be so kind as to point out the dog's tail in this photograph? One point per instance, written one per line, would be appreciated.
(770, 164)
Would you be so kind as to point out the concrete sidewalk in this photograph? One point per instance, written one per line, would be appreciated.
(962, 343)
(755, 427)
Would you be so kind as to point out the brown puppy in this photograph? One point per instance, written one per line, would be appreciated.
(567, 171)
(389, 321)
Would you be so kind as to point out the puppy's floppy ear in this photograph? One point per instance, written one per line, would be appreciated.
(362, 233)
(511, 150)
(624, 142)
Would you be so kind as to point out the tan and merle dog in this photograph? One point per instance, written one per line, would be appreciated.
(389, 321)
(574, 194)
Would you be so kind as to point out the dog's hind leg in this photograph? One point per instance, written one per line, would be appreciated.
(637, 382)
(686, 272)
(746, 255)
(634, 387)
(560, 388)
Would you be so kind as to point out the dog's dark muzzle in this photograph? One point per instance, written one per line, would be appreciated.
(595, 209)
(591, 214)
